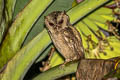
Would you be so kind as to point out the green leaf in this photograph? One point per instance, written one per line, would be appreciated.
(84, 8)
(1, 9)
(19, 29)
(58, 71)
(21, 62)
(1, 14)
(6, 14)
(90, 26)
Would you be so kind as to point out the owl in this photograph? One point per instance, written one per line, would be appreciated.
(65, 37)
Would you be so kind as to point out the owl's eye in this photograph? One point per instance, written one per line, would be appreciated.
(51, 24)
(60, 22)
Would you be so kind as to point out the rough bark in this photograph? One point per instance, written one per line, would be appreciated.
(95, 69)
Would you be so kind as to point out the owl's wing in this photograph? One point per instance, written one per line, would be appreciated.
(73, 38)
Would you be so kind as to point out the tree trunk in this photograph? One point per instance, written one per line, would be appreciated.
(93, 69)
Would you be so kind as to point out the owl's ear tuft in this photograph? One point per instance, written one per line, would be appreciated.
(45, 17)
(64, 12)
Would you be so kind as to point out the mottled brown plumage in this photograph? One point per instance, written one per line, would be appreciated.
(65, 37)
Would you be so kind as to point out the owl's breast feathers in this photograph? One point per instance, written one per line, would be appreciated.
(73, 40)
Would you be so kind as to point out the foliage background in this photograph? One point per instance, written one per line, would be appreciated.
(60, 5)
(98, 18)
